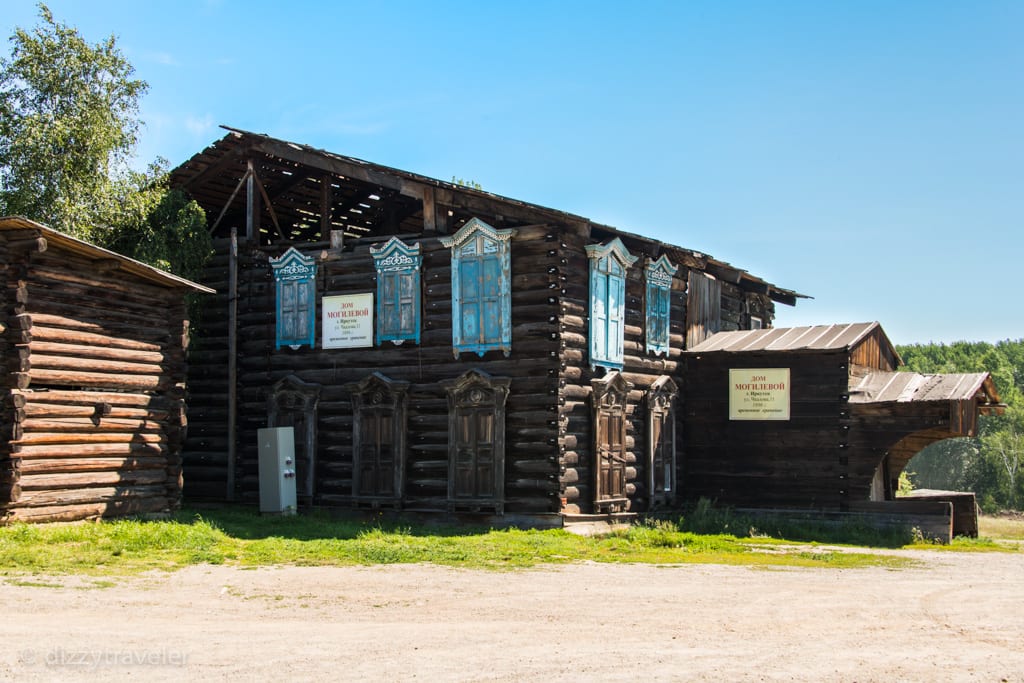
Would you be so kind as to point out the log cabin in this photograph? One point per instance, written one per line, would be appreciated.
(819, 418)
(441, 349)
(92, 387)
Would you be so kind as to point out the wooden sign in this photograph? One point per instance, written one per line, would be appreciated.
(759, 394)
(348, 321)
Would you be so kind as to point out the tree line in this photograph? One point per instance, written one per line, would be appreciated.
(992, 463)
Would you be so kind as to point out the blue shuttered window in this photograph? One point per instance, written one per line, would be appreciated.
(659, 287)
(608, 265)
(295, 278)
(398, 291)
(481, 288)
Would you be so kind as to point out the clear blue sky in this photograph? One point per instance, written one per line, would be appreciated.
(869, 154)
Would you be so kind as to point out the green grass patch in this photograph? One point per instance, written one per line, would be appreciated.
(1006, 527)
(242, 537)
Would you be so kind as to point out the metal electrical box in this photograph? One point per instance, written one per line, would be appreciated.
(277, 470)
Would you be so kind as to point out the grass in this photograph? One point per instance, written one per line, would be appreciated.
(1004, 527)
(241, 537)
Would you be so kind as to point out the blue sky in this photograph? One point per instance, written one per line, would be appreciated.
(868, 154)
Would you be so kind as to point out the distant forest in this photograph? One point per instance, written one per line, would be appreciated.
(991, 463)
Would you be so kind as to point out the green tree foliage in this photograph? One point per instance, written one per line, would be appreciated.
(68, 126)
(991, 464)
(162, 227)
(68, 129)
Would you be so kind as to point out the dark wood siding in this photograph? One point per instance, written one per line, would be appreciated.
(93, 388)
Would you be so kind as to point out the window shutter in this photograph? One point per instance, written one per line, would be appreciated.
(599, 316)
(406, 292)
(470, 304)
(490, 300)
(481, 288)
(616, 311)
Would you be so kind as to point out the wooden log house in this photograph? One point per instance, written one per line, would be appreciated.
(521, 361)
(92, 389)
(819, 418)
(443, 349)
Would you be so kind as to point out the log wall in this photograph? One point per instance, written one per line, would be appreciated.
(805, 462)
(531, 482)
(93, 393)
(549, 449)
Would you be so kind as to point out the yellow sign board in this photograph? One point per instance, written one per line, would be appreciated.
(759, 394)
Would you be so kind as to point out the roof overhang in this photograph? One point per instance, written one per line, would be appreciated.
(94, 253)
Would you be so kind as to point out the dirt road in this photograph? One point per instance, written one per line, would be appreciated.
(956, 617)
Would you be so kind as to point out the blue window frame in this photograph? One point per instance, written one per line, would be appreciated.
(608, 265)
(295, 276)
(481, 288)
(659, 288)
(398, 291)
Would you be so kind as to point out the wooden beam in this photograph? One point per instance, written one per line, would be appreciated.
(251, 212)
(215, 168)
(232, 363)
(270, 207)
(338, 166)
(429, 212)
(326, 197)
(230, 200)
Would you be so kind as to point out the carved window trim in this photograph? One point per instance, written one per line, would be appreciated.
(609, 405)
(379, 395)
(398, 291)
(292, 394)
(471, 394)
(659, 304)
(480, 246)
(661, 440)
(295, 280)
(608, 265)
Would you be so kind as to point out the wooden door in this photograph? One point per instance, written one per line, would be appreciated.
(611, 456)
(377, 459)
(474, 475)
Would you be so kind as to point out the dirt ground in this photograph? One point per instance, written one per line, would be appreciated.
(955, 617)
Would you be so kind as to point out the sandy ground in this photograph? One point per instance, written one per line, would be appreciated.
(956, 617)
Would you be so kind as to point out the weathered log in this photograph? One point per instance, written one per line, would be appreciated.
(45, 410)
(42, 378)
(45, 361)
(90, 425)
(48, 497)
(92, 464)
(169, 355)
(91, 398)
(92, 479)
(75, 438)
(43, 332)
(92, 510)
(38, 244)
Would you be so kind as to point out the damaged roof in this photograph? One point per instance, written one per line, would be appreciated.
(905, 387)
(291, 177)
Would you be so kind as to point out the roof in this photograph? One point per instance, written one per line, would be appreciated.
(290, 175)
(904, 387)
(811, 338)
(91, 251)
